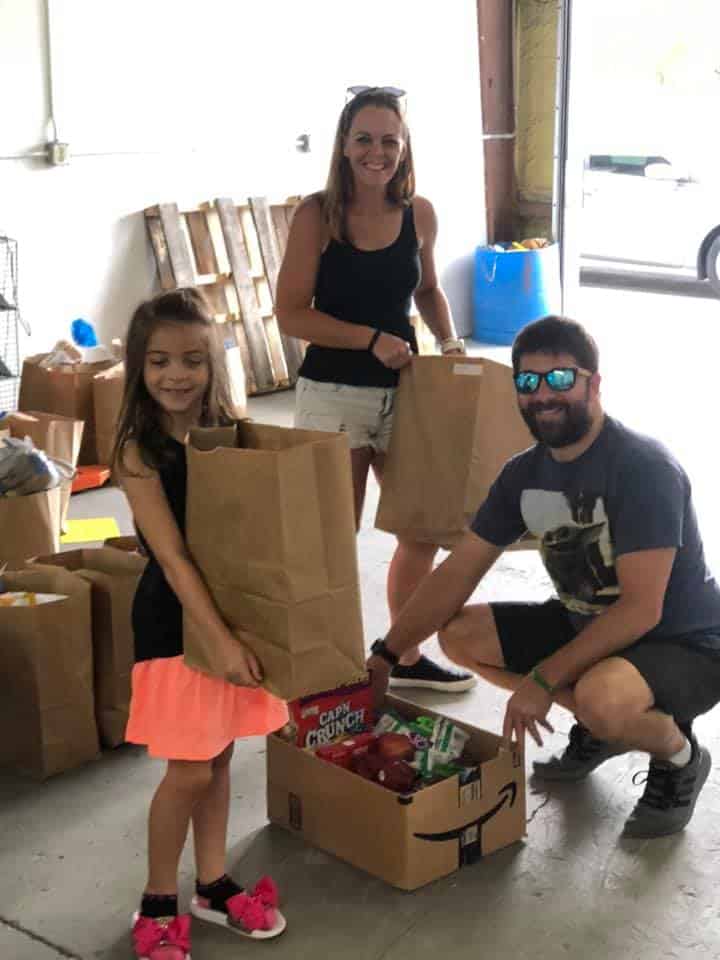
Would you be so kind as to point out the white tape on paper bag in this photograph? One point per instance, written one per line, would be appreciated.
(468, 369)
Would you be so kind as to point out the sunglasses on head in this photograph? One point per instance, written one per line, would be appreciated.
(361, 90)
(559, 379)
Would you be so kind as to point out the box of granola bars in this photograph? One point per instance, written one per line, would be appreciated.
(408, 796)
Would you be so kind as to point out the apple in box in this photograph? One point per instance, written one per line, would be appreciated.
(397, 775)
(395, 746)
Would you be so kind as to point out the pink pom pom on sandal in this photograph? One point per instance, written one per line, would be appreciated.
(253, 915)
(161, 940)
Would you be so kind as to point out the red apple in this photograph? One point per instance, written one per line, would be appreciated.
(396, 746)
(397, 775)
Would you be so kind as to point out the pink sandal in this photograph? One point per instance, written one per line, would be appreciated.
(161, 939)
(253, 914)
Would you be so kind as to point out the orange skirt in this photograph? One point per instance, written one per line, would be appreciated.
(182, 714)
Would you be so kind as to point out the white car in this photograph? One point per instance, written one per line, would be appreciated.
(642, 209)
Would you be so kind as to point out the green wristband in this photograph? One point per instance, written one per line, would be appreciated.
(541, 681)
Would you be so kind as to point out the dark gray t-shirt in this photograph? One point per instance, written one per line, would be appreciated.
(625, 493)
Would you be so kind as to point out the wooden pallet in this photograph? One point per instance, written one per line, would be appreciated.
(233, 252)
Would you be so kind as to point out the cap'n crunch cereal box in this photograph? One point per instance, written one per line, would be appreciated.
(323, 717)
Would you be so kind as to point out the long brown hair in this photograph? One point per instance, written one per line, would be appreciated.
(140, 417)
(339, 189)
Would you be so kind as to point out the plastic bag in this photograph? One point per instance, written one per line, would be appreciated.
(25, 470)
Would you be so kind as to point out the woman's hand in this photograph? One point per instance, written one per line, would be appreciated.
(392, 351)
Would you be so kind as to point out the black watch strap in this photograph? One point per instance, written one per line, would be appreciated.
(373, 340)
(378, 649)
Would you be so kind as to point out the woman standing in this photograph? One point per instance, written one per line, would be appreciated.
(357, 254)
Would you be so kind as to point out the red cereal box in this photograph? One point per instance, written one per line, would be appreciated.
(324, 717)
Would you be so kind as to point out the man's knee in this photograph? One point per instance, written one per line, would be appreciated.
(605, 708)
(462, 639)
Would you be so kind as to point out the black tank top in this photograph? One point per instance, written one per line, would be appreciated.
(369, 287)
(157, 612)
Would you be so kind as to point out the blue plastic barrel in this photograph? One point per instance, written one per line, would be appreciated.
(511, 289)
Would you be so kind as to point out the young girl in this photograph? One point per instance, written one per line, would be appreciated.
(356, 256)
(175, 379)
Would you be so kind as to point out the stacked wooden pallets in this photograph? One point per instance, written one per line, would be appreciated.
(233, 252)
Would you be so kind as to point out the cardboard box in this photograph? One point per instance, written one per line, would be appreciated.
(407, 841)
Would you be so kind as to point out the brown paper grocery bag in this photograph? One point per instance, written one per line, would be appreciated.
(29, 526)
(455, 424)
(66, 389)
(46, 676)
(113, 575)
(270, 524)
(108, 389)
(58, 436)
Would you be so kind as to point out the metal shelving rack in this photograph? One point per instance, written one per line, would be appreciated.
(9, 325)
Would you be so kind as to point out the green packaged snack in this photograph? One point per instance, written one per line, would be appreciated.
(447, 739)
(437, 741)
(392, 722)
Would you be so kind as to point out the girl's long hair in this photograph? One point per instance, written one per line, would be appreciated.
(339, 189)
(141, 419)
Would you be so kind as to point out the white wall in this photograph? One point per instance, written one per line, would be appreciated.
(173, 100)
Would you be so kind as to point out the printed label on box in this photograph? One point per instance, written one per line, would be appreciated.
(470, 793)
(470, 835)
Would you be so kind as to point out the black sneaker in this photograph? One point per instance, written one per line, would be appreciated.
(431, 676)
(581, 756)
(670, 796)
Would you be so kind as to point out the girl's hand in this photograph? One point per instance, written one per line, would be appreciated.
(239, 665)
(392, 351)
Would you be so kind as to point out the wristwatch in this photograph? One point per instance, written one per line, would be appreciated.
(378, 649)
(452, 343)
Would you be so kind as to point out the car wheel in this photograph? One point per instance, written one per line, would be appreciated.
(712, 264)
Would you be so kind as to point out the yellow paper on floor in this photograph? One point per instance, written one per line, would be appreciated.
(90, 530)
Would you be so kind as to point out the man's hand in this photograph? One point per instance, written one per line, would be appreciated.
(379, 670)
(527, 708)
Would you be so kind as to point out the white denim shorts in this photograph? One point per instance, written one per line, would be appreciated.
(365, 414)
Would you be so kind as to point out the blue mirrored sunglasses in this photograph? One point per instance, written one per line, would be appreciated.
(559, 379)
(391, 91)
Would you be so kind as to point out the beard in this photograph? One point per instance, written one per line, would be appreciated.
(570, 425)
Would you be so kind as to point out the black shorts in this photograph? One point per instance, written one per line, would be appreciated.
(684, 679)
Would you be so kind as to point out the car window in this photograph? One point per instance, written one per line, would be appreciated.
(617, 163)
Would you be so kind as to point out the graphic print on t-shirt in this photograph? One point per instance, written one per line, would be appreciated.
(575, 546)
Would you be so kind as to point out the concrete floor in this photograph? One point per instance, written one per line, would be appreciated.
(72, 850)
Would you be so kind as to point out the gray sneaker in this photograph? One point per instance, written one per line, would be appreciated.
(670, 796)
(581, 756)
